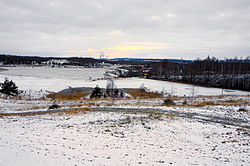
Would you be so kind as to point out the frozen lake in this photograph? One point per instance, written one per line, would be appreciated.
(55, 73)
(55, 79)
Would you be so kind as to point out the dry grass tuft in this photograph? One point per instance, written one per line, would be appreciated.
(69, 111)
(204, 104)
(74, 96)
(78, 110)
(77, 105)
(171, 116)
(233, 101)
(157, 116)
(23, 114)
(230, 141)
(143, 94)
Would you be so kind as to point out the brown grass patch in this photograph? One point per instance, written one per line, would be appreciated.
(171, 116)
(155, 116)
(23, 114)
(169, 105)
(204, 104)
(232, 101)
(139, 93)
(68, 111)
(29, 108)
(78, 105)
(230, 141)
(78, 110)
(74, 96)
(240, 101)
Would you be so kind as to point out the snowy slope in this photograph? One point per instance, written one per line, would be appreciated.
(103, 138)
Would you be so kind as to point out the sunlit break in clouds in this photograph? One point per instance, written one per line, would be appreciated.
(132, 28)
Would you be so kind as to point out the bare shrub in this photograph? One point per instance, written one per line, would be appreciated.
(54, 106)
(157, 116)
(205, 103)
(168, 102)
(171, 116)
(242, 110)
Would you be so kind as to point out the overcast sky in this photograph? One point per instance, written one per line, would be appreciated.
(187, 29)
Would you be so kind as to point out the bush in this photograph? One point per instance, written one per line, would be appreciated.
(242, 110)
(116, 93)
(9, 87)
(54, 106)
(185, 102)
(96, 93)
(169, 102)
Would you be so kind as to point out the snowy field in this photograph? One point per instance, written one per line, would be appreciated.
(51, 79)
(204, 131)
(56, 73)
(106, 138)
(55, 79)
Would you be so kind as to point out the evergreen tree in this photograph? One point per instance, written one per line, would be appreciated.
(96, 93)
(121, 94)
(9, 87)
(116, 93)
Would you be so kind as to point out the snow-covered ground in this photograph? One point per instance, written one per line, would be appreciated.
(47, 72)
(55, 79)
(51, 79)
(203, 131)
(105, 138)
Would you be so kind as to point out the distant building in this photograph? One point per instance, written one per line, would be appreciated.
(56, 62)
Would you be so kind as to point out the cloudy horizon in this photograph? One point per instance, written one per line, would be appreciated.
(132, 28)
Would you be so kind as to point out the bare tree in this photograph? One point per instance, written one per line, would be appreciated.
(110, 87)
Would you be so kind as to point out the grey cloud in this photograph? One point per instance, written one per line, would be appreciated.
(51, 27)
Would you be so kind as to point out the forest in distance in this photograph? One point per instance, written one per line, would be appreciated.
(212, 72)
(229, 73)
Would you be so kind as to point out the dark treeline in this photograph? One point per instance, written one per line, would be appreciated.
(228, 73)
(142, 61)
(198, 67)
(14, 59)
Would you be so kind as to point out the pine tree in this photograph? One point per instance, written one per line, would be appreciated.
(116, 93)
(9, 87)
(96, 93)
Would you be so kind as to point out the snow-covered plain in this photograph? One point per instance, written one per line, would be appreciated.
(106, 138)
(46, 72)
(120, 131)
(51, 79)
(55, 79)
